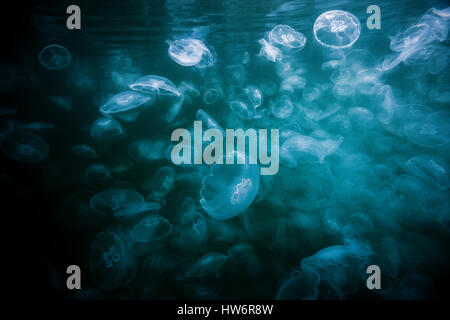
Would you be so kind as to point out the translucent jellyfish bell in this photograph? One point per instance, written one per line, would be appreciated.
(106, 129)
(124, 101)
(155, 85)
(207, 264)
(121, 202)
(84, 150)
(25, 148)
(147, 150)
(54, 57)
(254, 96)
(286, 36)
(151, 228)
(230, 188)
(268, 51)
(337, 29)
(190, 52)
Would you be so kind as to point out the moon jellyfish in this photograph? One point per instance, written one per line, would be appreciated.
(301, 285)
(77, 214)
(25, 148)
(430, 170)
(432, 132)
(155, 85)
(164, 181)
(361, 118)
(254, 96)
(293, 83)
(97, 171)
(242, 109)
(111, 262)
(152, 227)
(190, 52)
(208, 120)
(121, 202)
(286, 36)
(337, 29)
(230, 188)
(54, 57)
(282, 108)
(268, 51)
(84, 150)
(106, 129)
(212, 95)
(207, 264)
(147, 150)
(191, 230)
(122, 102)
(302, 149)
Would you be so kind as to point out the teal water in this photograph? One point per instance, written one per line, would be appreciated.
(364, 150)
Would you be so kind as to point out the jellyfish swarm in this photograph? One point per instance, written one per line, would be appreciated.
(54, 57)
(190, 52)
(111, 263)
(230, 188)
(337, 29)
(155, 85)
(285, 36)
(123, 102)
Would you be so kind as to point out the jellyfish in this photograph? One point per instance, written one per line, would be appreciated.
(97, 171)
(302, 149)
(147, 150)
(191, 52)
(151, 228)
(155, 85)
(207, 264)
(25, 147)
(84, 150)
(111, 263)
(301, 285)
(268, 51)
(242, 109)
(292, 83)
(54, 57)
(123, 102)
(236, 74)
(337, 29)
(254, 96)
(230, 188)
(286, 36)
(164, 181)
(106, 129)
(361, 118)
(432, 132)
(212, 95)
(121, 202)
(37, 126)
(208, 120)
(77, 214)
(430, 170)
(282, 108)
(192, 229)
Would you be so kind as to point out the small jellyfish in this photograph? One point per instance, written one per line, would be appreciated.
(236, 74)
(432, 132)
(361, 118)
(192, 228)
(190, 52)
(302, 149)
(282, 108)
(155, 85)
(54, 57)
(207, 264)
(110, 262)
(242, 109)
(84, 150)
(147, 150)
(337, 29)
(151, 228)
(286, 36)
(106, 129)
(121, 202)
(212, 95)
(430, 170)
(269, 88)
(97, 171)
(268, 51)
(254, 96)
(293, 83)
(77, 214)
(25, 148)
(208, 120)
(123, 102)
(164, 181)
(230, 188)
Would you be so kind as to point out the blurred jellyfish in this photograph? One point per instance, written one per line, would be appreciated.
(242, 109)
(212, 95)
(236, 74)
(106, 129)
(361, 118)
(119, 163)
(62, 102)
(254, 96)
(147, 150)
(121, 202)
(301, 285)
(430, 170)
(123, 102)
(54, 57)
(210, 263)
(77, 214)
(432, 132)
(25, 147)
(268, 88)
(84, 150)
(151, 228)
(164, 181)
(190, 52)
(191, 230)
(268, 51)
(155, 85)
(111, 263)
(301, 149)
(337, 29)
(97, 171)
(208, 120)
(230, 188)
(282, 108)
(286, 36)
(37, 126)
(292, 83)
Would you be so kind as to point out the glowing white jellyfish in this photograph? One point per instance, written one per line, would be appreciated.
(123, 102)
(121, 202)
(286, 36)
(269, 51)
(190, 52)
(337, 29)
(230, 188)
(155, 85)
(54, 57)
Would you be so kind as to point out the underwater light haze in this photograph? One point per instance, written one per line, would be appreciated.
(363, 115)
